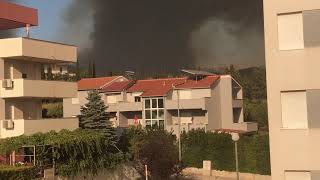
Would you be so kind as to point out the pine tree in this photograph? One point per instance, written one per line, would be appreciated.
(94, 115)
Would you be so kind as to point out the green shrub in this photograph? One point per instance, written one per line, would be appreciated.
(155, 148)
(219, 148)
(18, 173)
(53, 110)
(75, 152)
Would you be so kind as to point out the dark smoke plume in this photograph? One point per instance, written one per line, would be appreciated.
(166, 35)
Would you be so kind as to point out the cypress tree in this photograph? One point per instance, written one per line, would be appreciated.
(94, 115)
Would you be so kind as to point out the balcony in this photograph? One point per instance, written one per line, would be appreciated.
(28, 127)
(38, 51)
(245, 126)
(125, 107)
(187, 104)
(39, 88)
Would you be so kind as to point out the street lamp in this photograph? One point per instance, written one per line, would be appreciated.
(235, 138)
(179, 121)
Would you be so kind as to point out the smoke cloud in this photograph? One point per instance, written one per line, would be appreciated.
(166, 35)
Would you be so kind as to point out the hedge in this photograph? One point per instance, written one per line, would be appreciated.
(18, 172)
(219, 148)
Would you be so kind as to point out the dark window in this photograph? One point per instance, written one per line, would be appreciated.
(147, 103)
(160, 103)
(137, 99)
(24, 76)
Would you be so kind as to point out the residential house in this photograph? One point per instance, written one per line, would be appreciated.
(206, 101)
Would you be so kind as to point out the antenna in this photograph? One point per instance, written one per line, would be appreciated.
(27, 29)
(130, 74)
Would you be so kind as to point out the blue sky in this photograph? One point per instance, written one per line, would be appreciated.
(50, 17)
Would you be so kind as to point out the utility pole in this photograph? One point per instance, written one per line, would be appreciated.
(179, 126)
(179, 123)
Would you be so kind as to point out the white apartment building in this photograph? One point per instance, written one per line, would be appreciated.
(292, 41)
(22, 85)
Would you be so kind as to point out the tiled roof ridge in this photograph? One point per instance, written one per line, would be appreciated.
(162, 79)
(100, 77)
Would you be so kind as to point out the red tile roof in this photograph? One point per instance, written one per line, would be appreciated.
(206, 82)
(160, 87)
(117, 86)
(155, 87)
(15, 16)
(95, 83)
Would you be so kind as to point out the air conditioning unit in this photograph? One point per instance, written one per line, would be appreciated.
(7, 83)
(9, 124)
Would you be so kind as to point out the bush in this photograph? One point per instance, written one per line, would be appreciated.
(75, 152)
(156, 149)
(219, 148)
(53, 110)
(18, 173)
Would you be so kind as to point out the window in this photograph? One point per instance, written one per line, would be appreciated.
(24, 76)
(154, 112)
(297, 175)
(294, 110)
(298, 30)
(137, 99)
(147, 104)
(290, 31)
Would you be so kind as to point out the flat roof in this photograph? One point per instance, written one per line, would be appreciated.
(16, 16)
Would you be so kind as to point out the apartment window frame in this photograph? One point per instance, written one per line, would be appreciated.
(283, 45)
(283, 121)
(286, 172)
(154, 112)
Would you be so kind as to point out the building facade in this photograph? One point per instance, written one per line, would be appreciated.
(23, 83)
(292, 44)
(209, 102)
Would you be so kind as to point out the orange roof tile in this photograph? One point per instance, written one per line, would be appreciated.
(117, 86)
(95, 83)
(160, 87)
(155, 87)
(206, 82)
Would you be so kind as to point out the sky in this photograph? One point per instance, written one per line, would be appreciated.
(154, 36)
(50, 17)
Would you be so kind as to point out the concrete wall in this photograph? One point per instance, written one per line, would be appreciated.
(23, 108)
(2, 102)
(290, 70)
(200, 174)
(44, 89)
(29, 127)
(14, 69)
(41, 51)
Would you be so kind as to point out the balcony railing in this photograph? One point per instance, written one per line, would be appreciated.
(27, 49)
(28, 127)
(125, 107)
(187, 104)
(38, 88)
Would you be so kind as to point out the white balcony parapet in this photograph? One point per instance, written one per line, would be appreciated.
(125, 107)
(187, 104)
(245, 126)
(37, 50)
(28, 127)
(38, 88)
